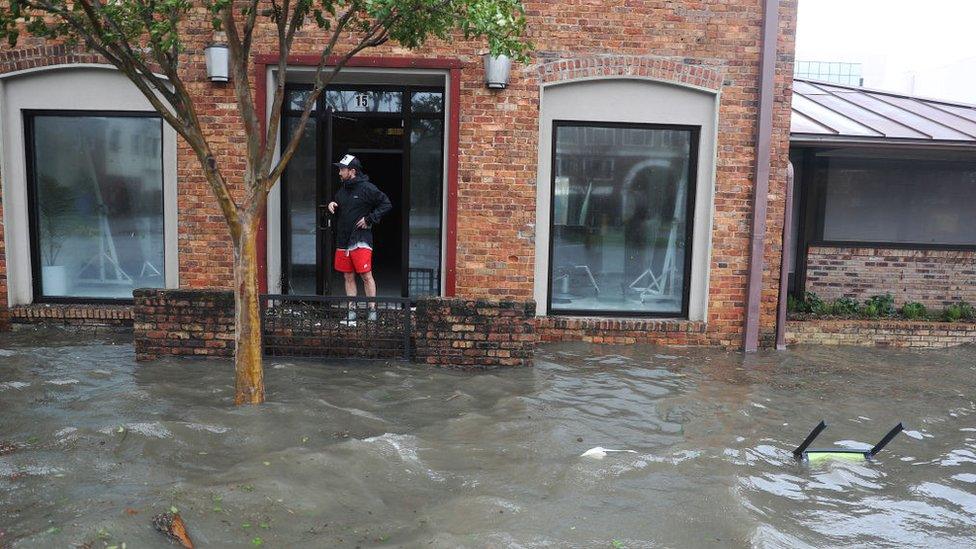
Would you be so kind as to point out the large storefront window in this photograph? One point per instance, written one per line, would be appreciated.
(621, 232)
(96, 204)
(896, 201)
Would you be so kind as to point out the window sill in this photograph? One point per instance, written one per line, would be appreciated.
(75, 314)
(621, 324)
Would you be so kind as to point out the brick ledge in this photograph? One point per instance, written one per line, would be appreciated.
(881, 333)
(661, 331)
(73, 314)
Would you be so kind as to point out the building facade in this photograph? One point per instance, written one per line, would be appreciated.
(613, 181)
(884, 196)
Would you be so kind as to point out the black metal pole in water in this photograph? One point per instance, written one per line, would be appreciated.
(887, 438)
(798, 453)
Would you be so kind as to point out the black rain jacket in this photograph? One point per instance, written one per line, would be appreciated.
(359, 198)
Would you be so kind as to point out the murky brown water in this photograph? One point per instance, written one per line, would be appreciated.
(365, 455)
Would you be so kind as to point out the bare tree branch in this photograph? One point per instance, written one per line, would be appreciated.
(242, 91)
(376, 36)
(249, 24)
(177, 110)
(274, 122)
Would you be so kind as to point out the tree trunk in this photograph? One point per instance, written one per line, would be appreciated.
(248, 368)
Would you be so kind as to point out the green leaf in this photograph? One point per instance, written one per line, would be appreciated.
(257, 541)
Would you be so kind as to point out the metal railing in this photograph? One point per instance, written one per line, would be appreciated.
(375, 328)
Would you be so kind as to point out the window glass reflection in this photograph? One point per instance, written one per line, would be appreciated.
(425, 102)
(301, 176)
(364, 101)
(98, 204)
(426, 178)
(619, 219)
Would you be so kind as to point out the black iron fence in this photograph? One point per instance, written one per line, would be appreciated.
(336, 327)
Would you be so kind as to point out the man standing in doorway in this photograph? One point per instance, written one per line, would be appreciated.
(360, 205)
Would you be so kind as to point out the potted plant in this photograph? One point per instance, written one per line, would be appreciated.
(58, 219)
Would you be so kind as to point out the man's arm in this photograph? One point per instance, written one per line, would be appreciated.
(382, 205)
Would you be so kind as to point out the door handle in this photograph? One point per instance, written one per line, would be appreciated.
(325, 220)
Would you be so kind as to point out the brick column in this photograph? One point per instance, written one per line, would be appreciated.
(475, 334)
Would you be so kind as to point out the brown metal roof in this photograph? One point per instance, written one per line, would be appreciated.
(832, 113)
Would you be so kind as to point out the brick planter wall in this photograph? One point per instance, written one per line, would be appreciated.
(935, 278)
(880, 333)
(183, 323)
(115, 316)
(622, 331)
(457, 333)
(474, 334)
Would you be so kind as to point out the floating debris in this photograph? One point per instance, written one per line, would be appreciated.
(68, 381)
(172, 525)
(7, 447)
(600, 452)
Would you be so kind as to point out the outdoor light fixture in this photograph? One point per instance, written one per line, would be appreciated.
(497, 68)
(218, 62)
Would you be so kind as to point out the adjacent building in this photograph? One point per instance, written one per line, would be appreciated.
(885, 195)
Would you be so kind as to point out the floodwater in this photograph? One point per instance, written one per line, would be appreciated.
(395, 455)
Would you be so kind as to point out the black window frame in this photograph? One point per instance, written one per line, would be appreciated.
(324, 173)
(693, 159)
(33, 217)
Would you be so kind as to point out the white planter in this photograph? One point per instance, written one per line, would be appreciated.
(497, 70)
(54, 280)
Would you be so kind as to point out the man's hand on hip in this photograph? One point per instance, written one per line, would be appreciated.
(332, 207)
(362, 223)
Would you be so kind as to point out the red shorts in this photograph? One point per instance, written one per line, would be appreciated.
(359, 260)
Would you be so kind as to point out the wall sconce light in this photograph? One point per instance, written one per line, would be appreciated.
(218, 62)
(497, 69)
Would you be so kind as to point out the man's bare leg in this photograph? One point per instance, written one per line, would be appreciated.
(350, 280)
(369, 285)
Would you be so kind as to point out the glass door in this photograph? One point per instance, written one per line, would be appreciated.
(378, 143)
(398, 135)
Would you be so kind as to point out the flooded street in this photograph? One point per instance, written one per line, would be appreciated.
(397, 455)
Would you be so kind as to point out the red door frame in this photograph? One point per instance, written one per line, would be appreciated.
(261, 63)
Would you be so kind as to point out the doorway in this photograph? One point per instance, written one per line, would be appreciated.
(397, 132)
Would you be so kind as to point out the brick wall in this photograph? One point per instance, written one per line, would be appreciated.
(117, 316)
(475, 334)
(935, 278)
(499, 136)
(183, 323)
(622, 331)
(880, 333)
(455, 333)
